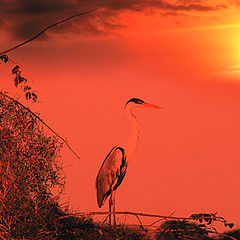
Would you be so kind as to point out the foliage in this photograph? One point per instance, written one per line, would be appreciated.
(29, 172)
(181, 229)
(31, 95)
(84, 228)
(4, 58)
(19, 80)
(209, 218)
(22, 81)
(184, 229)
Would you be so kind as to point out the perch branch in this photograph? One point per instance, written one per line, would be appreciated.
(145, 215)
(5, 95)
(45, 29)
(127, 213)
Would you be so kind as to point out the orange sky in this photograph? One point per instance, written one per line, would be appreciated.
(188, 62)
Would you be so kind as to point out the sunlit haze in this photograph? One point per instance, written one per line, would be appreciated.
(185, 59)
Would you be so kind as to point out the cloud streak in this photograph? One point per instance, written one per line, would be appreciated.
(26, 17)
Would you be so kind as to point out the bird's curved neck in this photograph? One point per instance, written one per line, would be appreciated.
(132, 142)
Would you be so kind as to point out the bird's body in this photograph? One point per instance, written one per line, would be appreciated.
(111, 174)
(114, 167)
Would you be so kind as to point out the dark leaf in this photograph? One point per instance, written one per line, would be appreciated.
(230, 225)
(15, 70)
(193, 216)
(28, 95)
(209, 222)
(4, 58)
(22, 79)
(34, 97)
(26, 88)
(16, 80)
(214, 229)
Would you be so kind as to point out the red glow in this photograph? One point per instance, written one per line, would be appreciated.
(187, 159)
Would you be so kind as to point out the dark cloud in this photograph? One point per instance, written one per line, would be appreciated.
(25, 18)
(40, 7)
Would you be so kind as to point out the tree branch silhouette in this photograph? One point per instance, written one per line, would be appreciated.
(205, 220)
(127, 213)
(227, 236)
(5, 58)
(45, 29)
(20, 104)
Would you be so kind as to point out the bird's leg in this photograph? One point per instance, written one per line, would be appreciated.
(114, 215)
(110, 209)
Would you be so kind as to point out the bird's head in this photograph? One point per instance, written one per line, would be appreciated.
(136, 102)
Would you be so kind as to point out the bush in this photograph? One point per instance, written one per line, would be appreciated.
(29, 172)
(176, 229)
(71, 228)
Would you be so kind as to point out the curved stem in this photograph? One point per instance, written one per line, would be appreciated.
(5, 95)
(45, 29)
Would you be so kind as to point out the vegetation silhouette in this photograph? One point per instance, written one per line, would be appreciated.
(29, 171)
(32, 180)
(173, 229)
(185, 230)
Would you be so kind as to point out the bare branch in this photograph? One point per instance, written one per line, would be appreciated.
(127, 213)
(227, 236)
(45, 29)
(143, 226)
(5, 95)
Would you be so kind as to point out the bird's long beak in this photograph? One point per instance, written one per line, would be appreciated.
(152, 106)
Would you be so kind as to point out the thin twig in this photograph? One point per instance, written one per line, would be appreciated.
(10, 60)
(141, 225)
(161, 219)
(138, 218)
(225, 235)
(105, 219)
(41, 122)
(45, 29)
(159, 230)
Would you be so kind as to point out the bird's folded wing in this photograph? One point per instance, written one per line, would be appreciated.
(108, 174)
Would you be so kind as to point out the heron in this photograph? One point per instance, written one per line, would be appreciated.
(114, 167)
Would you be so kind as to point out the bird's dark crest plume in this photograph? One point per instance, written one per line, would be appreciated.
(135, 100)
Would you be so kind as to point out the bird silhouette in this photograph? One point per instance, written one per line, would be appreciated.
(113, 168)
